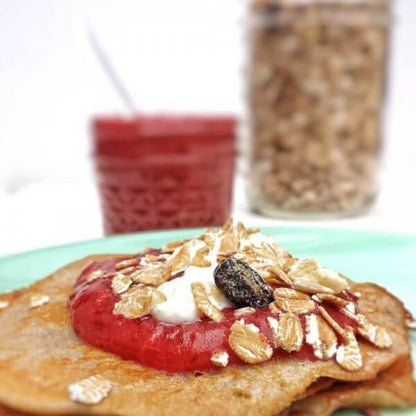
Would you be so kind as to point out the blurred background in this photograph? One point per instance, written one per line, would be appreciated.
(174, 57)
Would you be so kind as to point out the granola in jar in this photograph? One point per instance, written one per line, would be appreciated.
(316, 89)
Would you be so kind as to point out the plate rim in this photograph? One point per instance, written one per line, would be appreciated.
(265, 229)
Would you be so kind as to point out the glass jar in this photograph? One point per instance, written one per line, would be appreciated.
(160, 172)
(316, 87)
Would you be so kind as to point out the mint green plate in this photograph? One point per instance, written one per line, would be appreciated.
(385, 258)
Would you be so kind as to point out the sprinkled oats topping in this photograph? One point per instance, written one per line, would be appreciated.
(220, 359)
(274, 326)
(4, 304)
(244, 311)
(95, 275)
(284, 292)
(121, 283)
(290, 333)
(138, 301)
(203, 302)
(373, 333)
(333, 300)
(349, 355)
(91, 390)
(242, 269)
(250, 345)
(321, 336)
(297, 306)
(127, 264)
(38, 300)
(309, 270)
(152, 275)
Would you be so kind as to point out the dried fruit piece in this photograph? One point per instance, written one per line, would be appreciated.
(138, 301)
(121, 283)
(199, 259)
(320, 335)
(290, 333)
(243, 311)
(284, 292)
(311, 270)
(91, 390)
(349, 355)
(241, 284)
(124, 264)
(153, 276)
(97, 274)
(38, 300)
(377, 335)
(203, 302)
(4, 304)
(220, 359)
(248, 343)
(296, 306)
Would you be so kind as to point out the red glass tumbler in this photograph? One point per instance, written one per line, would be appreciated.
(160, 172)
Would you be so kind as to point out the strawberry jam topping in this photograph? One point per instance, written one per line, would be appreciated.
(164, 346)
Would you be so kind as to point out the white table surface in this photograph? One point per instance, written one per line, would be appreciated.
(50, 213)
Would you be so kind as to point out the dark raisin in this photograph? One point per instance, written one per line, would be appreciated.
(241, 284)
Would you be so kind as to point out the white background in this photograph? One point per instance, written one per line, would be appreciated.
(183, 55)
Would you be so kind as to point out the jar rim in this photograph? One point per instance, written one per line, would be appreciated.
(327, 12)
(297, 3)
(161, 125)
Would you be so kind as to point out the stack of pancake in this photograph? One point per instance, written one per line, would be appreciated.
(40, 357)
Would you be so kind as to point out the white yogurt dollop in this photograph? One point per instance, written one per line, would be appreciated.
(180, 305)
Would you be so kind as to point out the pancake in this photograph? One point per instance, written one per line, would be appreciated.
(392, 388)
(40, 356)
